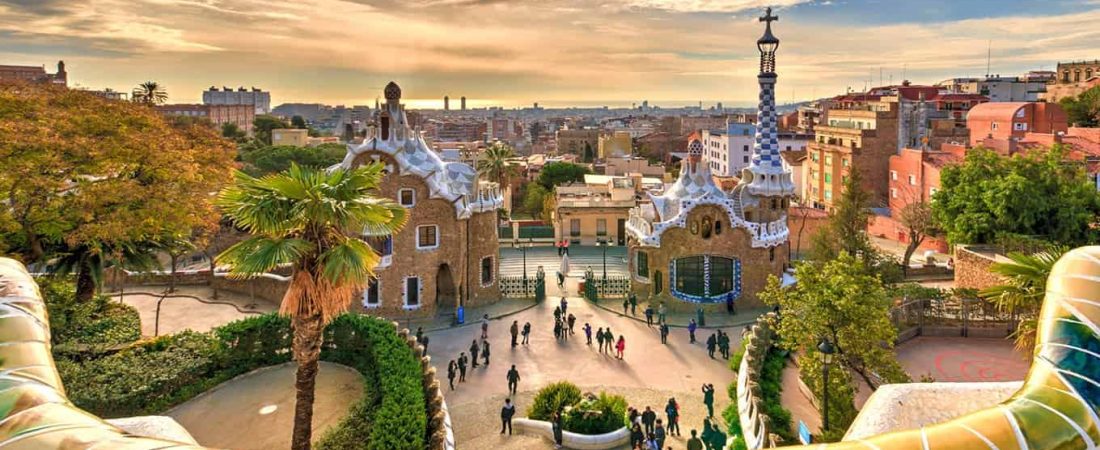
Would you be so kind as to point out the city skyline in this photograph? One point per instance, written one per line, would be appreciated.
(554, 52)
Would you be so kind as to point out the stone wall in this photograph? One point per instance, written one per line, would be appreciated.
(972, 265)
(755, 425)
(440, 433)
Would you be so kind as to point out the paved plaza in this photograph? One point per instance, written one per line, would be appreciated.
(963, 359)
(182, 310)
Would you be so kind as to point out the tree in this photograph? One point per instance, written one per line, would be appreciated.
(149, 93)
(309, 219)
(233, 132)
(918, 220)
(557, 173)
(1041, 193)
(1024, 288)
(263, 124)
(263, 160)
(588, 153)
(534, 199)
(496, 163)
(840, 301)
(298, 122)
(846, 232)
(90, 182)
(1083, 110)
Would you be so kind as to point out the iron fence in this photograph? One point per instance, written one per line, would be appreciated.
(952, 317)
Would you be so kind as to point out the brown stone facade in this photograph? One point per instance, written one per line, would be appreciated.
(732, 242)
(448, 272)
(972, 267)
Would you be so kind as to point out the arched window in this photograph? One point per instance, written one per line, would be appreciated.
(771, 253)
(718, 226)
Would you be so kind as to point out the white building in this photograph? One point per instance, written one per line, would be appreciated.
(227, 96)
(1027, 88)
(728, 151)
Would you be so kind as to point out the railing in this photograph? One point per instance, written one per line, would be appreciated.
(513, 287)
(609, 287)
(952, 317)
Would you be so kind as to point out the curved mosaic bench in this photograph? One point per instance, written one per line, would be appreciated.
(614, 439)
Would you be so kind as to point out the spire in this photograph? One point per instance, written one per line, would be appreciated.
(766, 175)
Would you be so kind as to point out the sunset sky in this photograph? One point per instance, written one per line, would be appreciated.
(555, 52)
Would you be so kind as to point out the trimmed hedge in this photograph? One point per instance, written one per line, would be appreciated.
(151, 376)
(98, 323)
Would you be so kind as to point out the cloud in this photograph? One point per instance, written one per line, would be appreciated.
(729, 6)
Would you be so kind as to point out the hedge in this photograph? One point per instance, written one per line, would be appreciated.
(151, 376)
(98, 323)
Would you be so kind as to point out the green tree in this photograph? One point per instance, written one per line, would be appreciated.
(1083, 110)
(534, 199)
(263, 124)
(149, 93)
(919, 223)
(840, 301)
(298, 122)
(1041, 193)
(557, 173)
(309, 219)
(233, 132)
(846, 232)
(1024, 288)
(263, 160)
(496, 163)
(589, 154)
(90, 182)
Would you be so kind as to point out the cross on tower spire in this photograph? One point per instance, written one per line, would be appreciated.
(768, 17)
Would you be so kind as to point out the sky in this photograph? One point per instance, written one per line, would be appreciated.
(555, 52)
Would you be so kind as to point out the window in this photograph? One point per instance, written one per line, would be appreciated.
(1019, 126)
(412, 292)
(574, 227)
(912, 180)
(746, 148)
(746, 158)
(407, 197)
(486, 270)
(828, 194)
(994, 125)
(893, 193)
(828, 178)
(788, 148)
(844, 162)
(894, 175)
(601, 227)
(371, 298)
(641, 265)
(427, 236)
(828, 160)
(771, 253)
(383, 246)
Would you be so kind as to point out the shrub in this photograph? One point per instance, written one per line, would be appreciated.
(98, 323)
(553, 397)
(738, 355)
(595, 414)
(842, 410)
(771, 376)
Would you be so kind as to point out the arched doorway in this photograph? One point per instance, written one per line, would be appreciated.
(446, 294)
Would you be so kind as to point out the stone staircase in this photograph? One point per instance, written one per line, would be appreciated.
(580, 258)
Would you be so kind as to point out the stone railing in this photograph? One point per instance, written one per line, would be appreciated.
(755, 425)
(614, 439)
(440, 433)
(768, 234)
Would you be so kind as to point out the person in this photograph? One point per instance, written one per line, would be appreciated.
(424, 343)
(526, 332)
(485, 327)
(662, 313)
(659, 434)
(474, 349)
(707, 436)
(712, 342)
(649, 418)
(452, 368)
(564, 305)
(632, 415)
(620, 346)
(557, 245)
(708, 398)
(419, 334)
(672, 410)
(506, 414)
(729, 304)
(514, 331)
(599, 338)
(557, 329)
(561, 280)
(513, 380)
(462, 367)
(557, 313)
(694, 443)
(626, 304)
(651, 442)
(566, 247)
(636, 436)
(572, 321)
(556, 426)
(633, 304)
(588, 333)
(648, 316)
(664, 333)
(485, 351)
(717, 437)
(724, 344)
(691, 330)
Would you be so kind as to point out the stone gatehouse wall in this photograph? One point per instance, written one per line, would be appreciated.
(972, 265)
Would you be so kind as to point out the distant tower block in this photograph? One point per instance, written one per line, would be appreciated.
(446, 103)
(464, 103)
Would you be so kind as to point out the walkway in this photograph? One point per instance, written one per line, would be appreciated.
(182, 310)
(256, 410)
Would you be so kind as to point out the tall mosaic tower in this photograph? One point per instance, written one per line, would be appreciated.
(765, 176)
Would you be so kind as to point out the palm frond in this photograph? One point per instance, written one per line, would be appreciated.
(378, 216)
(260, 254)
(350, 262)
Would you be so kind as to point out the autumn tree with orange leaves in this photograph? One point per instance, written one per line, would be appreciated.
(89, 182)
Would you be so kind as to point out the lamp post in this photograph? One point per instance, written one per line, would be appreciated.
(604, 243)
(826, 348)
(523, 249)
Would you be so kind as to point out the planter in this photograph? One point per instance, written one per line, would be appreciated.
(614, 439)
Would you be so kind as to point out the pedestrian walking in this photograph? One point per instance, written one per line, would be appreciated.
(620, 346)
(712, 344)
(691, 330)
(648, 316)
(424, 343)
(485, 327)
(724, 344)
(561, 281)
(506, 414)
(672, 410)
(557, 329)
(557, 313)
(515, 333)
(708, 398)
(731, 308)
(662, 316)
(626, 304)
(526, 332)
(513, 380)
(452, 369)
(707, 436)
(474, 349)
(588, 333)
(694, 443)
(564, 306)
(572, 321)
(664, 333)
(633, 304)
(659, 434)
(555, 421)
(649, 418)
(462, 367)
(485, 351)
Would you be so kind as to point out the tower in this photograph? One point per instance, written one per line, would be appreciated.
(446, 103)
(463, 102)
(765, 178)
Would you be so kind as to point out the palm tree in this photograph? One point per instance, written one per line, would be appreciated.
(150, 93)
(309, 219)
(1024, 288)
(496, 163)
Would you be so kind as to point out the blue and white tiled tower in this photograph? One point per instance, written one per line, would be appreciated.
(765, 176)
